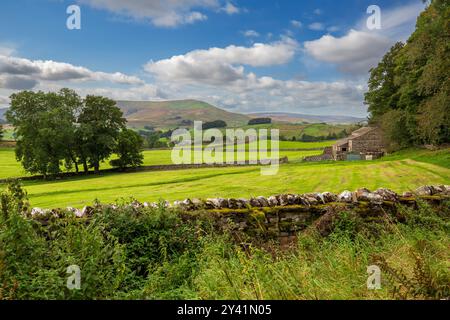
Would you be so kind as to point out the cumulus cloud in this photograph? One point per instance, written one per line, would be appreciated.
(162, 13)
(4, 100)
(296, 23)
(361, 49)
(396, 23)
(222, 66)
(195, 16)
(19, 73)
(6, 50)
(143, 92)
(230, 8)
(218, 75)
(355, 52)
(316, 26)
(17, 82)
(333, 29)
(287, 96)
(250, 34)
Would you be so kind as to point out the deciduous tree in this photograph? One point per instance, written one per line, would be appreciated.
(128, 150)
(99, 125)
(413, 81)
(43, 125)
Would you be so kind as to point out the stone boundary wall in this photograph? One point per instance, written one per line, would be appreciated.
(163, 167)
(379, 197)
(278, 217)
(7, 144)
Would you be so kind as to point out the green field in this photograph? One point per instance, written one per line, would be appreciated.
(10, 168)
(289, 130)
(301, 145)
(401, 172)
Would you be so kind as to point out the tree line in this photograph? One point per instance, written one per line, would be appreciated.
(60, 130)
(409, 90)
(256, 121)
(331, 136)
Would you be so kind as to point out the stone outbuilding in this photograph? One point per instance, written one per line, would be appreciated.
(363, 144)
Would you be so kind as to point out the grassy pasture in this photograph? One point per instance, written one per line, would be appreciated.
(402, 171)
(398, 174)
(290, 130)
(9, 167)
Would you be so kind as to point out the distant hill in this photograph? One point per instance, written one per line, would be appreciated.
(299, 118)
(163, 114)
(167, 114)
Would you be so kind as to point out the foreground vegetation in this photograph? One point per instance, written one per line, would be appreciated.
(155, 254)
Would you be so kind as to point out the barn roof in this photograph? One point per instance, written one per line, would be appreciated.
(341, 142)
(361, 131)
(355, 134)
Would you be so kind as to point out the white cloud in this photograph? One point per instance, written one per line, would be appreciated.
(333, 29)
(195, 16)
(4, 100)
(355, 52)
(396, 23)
(222, 66)
(316, 26)
(361, 49)
(6, 50)
(218, 76)
(144, 92)
(164, 13)
(318, 11)
(296, 23)
(230, 8)
(250, 33)
(20, 73)
(287, 96)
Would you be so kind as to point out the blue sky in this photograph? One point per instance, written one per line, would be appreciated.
(300, 56)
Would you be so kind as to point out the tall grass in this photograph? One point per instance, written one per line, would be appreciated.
(130, 253)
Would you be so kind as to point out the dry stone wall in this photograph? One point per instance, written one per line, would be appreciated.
(279, 216)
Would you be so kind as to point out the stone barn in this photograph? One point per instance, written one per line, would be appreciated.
(365, 143)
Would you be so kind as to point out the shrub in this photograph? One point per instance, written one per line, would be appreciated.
(34, 259)
(259, 121)
(214, 124)
(150, 237)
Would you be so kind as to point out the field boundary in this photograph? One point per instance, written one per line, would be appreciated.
(163, 167)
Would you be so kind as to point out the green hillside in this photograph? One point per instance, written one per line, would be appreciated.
(166, 114)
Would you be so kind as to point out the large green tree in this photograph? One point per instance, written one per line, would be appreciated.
(382, 95)
(99, 125)
(60, 129)
(129, 150)
(1, 132)
(71, 105)
(409, 91)
(44, 127)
